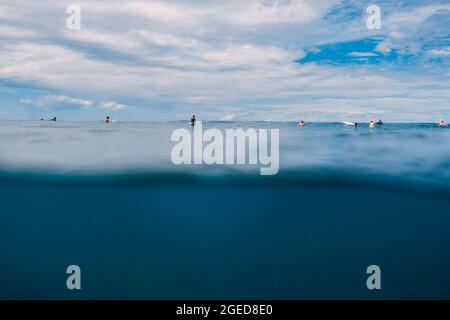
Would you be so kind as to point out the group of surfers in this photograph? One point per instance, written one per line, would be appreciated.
(372, 123)
(301, 123)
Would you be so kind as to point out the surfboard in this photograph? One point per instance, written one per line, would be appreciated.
(348, 123)
(114, 121)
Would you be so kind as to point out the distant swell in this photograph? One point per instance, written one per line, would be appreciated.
(326, 178)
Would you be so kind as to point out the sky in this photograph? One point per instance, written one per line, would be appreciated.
(280, 60)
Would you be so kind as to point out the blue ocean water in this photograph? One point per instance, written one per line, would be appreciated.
(109, 199)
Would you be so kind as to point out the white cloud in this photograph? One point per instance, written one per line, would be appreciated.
(302, 11)
(313, 50)
(445, 52)
(362, 54)
(68, 100)
(112, 106)
(408, 18)
(384, 47)
(396, 35)
(234, 12)
(14, 33)
(49, 100)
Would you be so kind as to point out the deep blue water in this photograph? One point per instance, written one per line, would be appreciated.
(108, 198)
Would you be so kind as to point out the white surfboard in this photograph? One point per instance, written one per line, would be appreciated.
(348, 123)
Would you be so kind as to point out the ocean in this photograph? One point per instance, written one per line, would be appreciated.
(109, 199)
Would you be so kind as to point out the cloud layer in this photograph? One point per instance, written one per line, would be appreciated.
(230, 60)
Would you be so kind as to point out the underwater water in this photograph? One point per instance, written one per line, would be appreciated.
(109, 199)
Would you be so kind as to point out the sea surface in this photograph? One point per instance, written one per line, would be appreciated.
(109, 199)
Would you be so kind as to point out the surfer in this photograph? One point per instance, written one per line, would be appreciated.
(193, 120)
(52, 119)
(443, 124)
(107, 119)
(301, 123)
(379, 123)
(352, 124)
(372, 124)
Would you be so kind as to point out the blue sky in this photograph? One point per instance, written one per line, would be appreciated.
(225, 60)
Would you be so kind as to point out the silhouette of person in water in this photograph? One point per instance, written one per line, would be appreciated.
(193, 120)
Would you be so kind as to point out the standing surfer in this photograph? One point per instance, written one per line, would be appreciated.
(193, 120)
